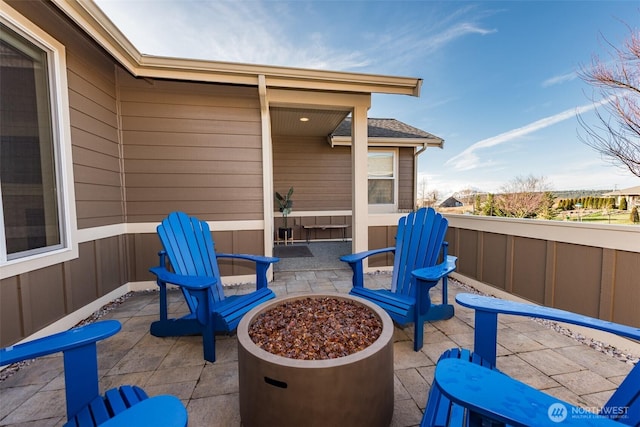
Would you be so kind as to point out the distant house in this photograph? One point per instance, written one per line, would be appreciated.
(631, 194)
(451, 202)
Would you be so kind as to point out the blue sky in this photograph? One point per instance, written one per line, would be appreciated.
(500, 83)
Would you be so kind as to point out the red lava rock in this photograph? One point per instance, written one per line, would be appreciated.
(316, 328)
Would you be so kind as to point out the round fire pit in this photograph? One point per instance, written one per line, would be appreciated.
(352, 390)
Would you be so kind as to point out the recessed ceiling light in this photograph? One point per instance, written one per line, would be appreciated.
(304, 119)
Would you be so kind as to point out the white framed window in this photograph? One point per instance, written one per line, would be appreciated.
(37, 207)
(383, 183)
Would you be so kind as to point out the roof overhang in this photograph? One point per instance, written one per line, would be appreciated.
(92, 19)
(345, 141)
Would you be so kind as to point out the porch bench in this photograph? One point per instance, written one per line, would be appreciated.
(342, 227)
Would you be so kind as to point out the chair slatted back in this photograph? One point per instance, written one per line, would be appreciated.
(191, 251)
(418, 244)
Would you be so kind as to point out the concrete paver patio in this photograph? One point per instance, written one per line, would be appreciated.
(528, 350)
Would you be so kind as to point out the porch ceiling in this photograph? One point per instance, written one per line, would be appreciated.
(286, 121)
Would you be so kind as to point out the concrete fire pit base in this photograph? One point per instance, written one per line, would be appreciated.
(355, 390)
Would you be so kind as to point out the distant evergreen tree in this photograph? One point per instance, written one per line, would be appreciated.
(634, 217)
(489, 206)
(611, 203)
(623, 204)
(546, 210)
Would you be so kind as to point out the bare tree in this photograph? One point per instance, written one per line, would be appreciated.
(617, 136)
(524, 197)
(426, 196)
(431, 198)
(466, 196)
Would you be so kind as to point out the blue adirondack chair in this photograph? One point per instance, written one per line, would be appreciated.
(468, 390)
(420, 261)
(125, 406)
(189, 248)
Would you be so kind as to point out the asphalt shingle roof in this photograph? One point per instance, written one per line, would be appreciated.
(385, 128)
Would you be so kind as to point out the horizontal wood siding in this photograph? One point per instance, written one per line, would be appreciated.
(35, 299)
(93, 116)
(406, 188)
(319, 174)
(193, 147)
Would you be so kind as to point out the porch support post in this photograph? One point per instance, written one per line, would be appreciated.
(267, 167)
(359, 156)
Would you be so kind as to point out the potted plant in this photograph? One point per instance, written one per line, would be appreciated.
(284, 205)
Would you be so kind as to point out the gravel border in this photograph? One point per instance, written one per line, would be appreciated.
(110, 306)
(594, 344)
(600, 346)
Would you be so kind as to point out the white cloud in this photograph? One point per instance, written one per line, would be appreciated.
(556, 80)
(246, 32)
(468, 159)
(262, 32)
(453, 33)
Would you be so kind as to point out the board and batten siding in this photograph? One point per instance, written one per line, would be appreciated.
(594, 281)
(192, 147)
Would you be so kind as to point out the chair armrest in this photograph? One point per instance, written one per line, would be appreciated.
(357, 257)
(194, 283)
(258, 259)
(263, 263)
(488, 308)
(495, 305)
(435, 273)
(499, 397)
(63, 341)
(158, 411)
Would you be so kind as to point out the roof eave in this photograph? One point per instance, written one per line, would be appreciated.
(345, 141)
(93, 20)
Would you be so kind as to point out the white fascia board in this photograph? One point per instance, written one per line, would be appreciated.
(94, 22)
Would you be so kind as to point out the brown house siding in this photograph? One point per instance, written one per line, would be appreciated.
(406, 188)
(320, 174)
(35, 299)
(93, 117)
(192, 147)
